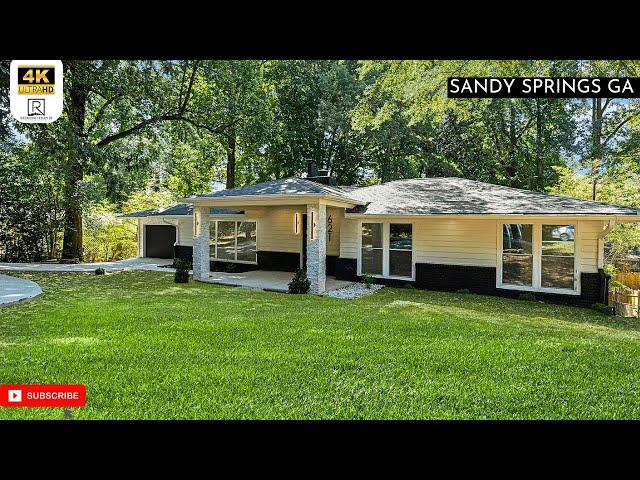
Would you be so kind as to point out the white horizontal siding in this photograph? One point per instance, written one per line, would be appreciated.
(455, 241)
(349, 238)
(276, 230)
(588, 231)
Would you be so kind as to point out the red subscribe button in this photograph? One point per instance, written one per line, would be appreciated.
(43, 396)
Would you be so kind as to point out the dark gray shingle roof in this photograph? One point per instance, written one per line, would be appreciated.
(284, 186)
(458, 196)
(178, 210)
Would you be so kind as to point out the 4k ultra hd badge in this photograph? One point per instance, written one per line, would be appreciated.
(36, 90)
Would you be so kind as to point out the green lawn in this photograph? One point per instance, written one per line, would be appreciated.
(148, 348)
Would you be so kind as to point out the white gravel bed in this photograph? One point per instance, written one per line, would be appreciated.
(353, 291)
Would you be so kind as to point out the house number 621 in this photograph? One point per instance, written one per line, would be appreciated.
(329, 227)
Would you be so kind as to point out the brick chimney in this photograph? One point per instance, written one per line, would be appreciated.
(322, 176)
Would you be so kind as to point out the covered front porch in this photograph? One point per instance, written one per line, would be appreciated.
(273, 232)
(272, 281)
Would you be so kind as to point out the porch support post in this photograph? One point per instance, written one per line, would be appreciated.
(201, 243)
(316, 246)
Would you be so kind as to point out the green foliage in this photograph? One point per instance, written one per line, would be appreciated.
(299, 283)
(99, 271)
(527, 297)
(181, 274)
(367, 280)
(107, 238)
(463, 291)
(409, 286)
(602, 308)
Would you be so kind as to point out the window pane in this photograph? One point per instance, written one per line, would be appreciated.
(558, 248)
(212, 239)
(372, 261)
(557, 272)
(517, 238)
(400, 263)
(226, 240)
(517, 269)
(247, 241)
(372, 235)
(400, 236)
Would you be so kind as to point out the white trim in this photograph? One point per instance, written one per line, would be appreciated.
(386, 229)
(537, 260)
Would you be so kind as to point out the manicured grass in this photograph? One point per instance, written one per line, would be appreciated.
(148, 348)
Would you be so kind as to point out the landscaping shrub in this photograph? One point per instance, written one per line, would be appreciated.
(367, 280)
(527, 297)
(182, 271)
(409, 286)
(99, 271)
(602, 308)
(299, 283)
(463, 290)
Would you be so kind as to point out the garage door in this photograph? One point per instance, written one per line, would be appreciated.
(159, 240)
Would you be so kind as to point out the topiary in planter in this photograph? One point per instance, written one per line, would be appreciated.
(182, 271)
(299, 283)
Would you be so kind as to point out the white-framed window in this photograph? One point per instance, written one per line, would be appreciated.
(233, 241)
(538, 256)
(386, 249)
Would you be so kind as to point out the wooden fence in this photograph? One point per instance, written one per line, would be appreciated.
(630, 279)
(625, 301)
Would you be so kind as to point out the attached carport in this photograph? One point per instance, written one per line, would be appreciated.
(159, 241)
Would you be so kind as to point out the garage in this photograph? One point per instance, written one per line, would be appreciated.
(159, 241)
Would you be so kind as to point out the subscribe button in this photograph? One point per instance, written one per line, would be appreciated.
(43, 396)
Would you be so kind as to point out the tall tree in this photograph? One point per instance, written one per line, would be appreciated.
(106, 103)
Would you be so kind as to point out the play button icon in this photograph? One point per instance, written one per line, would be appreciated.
(14, 396)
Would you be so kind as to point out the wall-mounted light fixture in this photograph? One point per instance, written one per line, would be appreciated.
(297, 228)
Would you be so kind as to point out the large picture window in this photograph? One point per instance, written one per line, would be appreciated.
(517, 254)
(233, 241)
(372, 248)
(538, 256)
(558, 252)
(400, 249)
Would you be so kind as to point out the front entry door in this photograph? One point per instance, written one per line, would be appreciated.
(304, 241)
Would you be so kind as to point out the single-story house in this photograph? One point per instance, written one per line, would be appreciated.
(435, 233)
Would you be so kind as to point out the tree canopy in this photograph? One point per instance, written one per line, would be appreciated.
(174, 127)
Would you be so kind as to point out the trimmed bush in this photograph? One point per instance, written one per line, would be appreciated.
(299, 283)
(99, 271)
(182, 271)
(527, 297)
(602, 308)
(367, 280)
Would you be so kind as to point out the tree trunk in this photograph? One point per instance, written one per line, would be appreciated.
(512, 166)
(539, 141)
(76, 108)
(231, 159)
(596, 143)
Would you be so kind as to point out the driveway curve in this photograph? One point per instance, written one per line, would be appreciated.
(14, 289)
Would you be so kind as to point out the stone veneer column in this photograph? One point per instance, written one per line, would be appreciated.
(317, 247)
(201, 243)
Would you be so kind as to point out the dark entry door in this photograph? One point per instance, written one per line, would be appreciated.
(304, 241)
(159, 241)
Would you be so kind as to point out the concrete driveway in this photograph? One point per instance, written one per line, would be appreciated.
(154, 264)
(14, 289)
